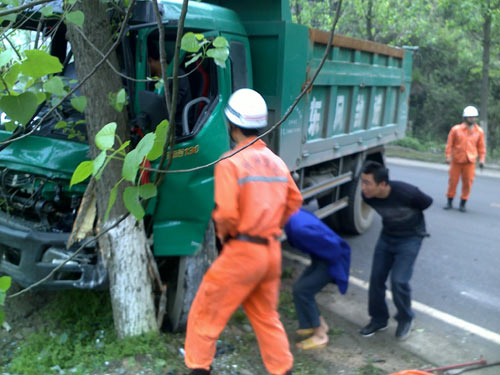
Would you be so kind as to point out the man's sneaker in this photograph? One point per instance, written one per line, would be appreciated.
(371, 328)
(403, 330)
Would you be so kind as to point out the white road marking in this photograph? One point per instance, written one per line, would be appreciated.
(487, 172)
(437, 314)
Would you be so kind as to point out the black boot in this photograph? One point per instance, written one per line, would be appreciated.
(199, 371)
(462, 205)
(449, 205)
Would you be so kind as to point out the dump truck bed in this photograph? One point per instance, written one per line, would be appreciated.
(358, 101)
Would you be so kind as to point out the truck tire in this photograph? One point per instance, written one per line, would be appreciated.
(358, 216)
(182, 289)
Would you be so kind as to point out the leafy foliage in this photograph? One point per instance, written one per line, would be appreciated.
(149, 148)
(447, 69)
(4, 286)
(199, 46)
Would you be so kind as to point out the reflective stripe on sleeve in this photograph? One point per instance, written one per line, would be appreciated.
(244, 180)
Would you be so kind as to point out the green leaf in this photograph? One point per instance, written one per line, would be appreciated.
(40, 97)
(121, 98)
(8, 18)
(10, 126)
(79, 103)
(61, 125)
(98, 162)
(118, 100)
(11, 76)
(144, 146)
(76, 18)
(105, 138)
(147, 191)
(193, 59)
(5, 283)
(82, 172)
(134, 158)
(130, 166)
(20, 108)
(55, 85)
(132, 203)
(26, 82)
(2, 297)
(47, 11)
(72, 2)
(122, 147)
(39, 63)
(190, 43)
(112, 199)
(220, 42)
(219, 55)
(5, 57)
(2, 317)
(160, 139)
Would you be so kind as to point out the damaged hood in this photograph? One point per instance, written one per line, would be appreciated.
(50, 157)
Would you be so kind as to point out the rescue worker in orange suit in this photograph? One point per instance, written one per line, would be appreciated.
(254, 197)
(465, 144)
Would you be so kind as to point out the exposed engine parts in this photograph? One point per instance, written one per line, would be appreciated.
(43, 202)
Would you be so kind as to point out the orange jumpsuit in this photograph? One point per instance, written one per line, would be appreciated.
(254, 195)
(463, 147)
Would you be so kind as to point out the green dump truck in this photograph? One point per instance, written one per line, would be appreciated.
(358, 103)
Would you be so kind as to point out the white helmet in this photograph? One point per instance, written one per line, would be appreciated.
(247, 109)
(470, 111)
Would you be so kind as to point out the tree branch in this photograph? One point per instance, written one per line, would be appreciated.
(169, 144)
(23, 7)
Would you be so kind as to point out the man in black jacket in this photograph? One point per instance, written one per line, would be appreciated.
(401, 207)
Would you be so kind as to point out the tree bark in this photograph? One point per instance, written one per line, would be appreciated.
(485, 72)
(369, 20)
(124, 247)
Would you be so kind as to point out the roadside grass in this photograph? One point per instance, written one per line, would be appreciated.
(412, 148)
(72, 333)
(430, 151)
(370, 369)
(77, 335)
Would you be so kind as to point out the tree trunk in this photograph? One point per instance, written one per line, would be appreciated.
(124, 247)
(486, 67)
(369, 20)
(297, 12)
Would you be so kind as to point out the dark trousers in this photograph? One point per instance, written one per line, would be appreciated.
(313, 279)
(395, 255)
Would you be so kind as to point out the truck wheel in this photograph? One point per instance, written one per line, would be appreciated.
(358, 216)
(182, 289)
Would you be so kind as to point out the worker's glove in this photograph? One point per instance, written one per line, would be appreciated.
(481, 165)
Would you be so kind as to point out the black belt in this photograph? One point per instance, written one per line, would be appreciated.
(253, 239)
